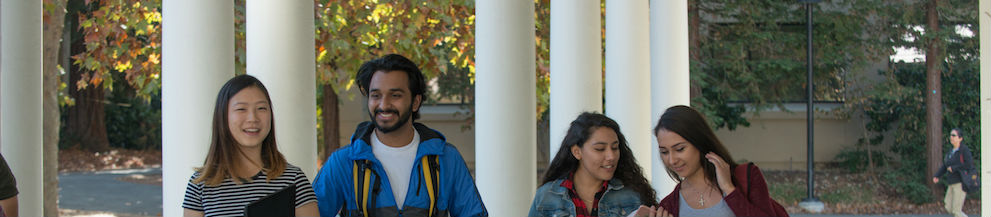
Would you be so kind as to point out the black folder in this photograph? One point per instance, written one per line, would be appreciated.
(280, 203)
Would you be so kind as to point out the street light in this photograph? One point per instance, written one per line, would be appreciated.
(810, 203)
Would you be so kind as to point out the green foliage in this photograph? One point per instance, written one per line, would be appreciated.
(855, 160)
(132, 122)
(909, 182)
(754, 52)
(787, 193)
(900, 107)
(897, 105)
(848, 195)
(434, 34)
(120, 37)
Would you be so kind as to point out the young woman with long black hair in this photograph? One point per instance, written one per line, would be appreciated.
(593, 174)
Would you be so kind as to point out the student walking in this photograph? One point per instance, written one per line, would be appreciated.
(593, 174)
(393, 166)
(244, 165)
(958, 160)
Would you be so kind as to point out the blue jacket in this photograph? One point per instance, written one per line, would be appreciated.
(552, 200)
(334, 184)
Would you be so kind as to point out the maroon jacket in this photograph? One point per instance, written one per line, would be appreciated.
(746, 200)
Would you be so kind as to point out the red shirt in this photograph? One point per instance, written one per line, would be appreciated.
(580, 209)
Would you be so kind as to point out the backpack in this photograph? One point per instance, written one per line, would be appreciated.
(364, 193)
(776, 208)
(970, 178)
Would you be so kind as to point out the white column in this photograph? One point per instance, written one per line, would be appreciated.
(506, 130)
(281, 54)
(576, 64)
(628, 74)
(197, 54)
(669, 81)
(984, 12)
(20, 76)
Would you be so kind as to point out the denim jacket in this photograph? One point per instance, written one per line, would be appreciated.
(552, 200)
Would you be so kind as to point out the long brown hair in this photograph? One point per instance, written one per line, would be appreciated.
(627, 169)
(691, 125)
(221, 162)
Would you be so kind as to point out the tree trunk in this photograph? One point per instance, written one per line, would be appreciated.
(85, 123)
(694, 48)
(54, 22)
(934, 101)
(331, 122)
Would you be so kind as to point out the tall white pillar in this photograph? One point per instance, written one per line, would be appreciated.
(669, 81)
(505, 119)
(197, 58)
(281, 54)
(20, 78)
(984, 12)
(576, 64)
(628, 74)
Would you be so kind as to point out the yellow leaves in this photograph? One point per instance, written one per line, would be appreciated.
(153, 17)
(341, 20)
(155, 58)
(380, 11)
(86, 23)
(323, 54)
(122, 66)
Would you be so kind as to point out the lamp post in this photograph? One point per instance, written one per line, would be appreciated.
(810, 203)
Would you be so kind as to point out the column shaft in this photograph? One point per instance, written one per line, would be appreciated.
(576, 64)
(20, 78)
(281, 54)
(984, 12)
(628, 74)
(669, 79)
(198, 57)
(505, 155)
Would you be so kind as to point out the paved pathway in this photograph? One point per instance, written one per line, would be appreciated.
(906, 215)
(101, 191)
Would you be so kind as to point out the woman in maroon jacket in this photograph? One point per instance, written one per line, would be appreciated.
(710, 183)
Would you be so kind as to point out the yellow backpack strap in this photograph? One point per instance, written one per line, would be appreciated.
(361, 179)
(429, 167)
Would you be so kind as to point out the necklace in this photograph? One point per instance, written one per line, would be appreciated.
(701, 200)
(701, 197)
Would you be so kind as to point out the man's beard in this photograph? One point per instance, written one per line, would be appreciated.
(403, 118)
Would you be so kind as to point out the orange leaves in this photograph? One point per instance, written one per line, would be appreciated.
(120, 36)
(431, 33)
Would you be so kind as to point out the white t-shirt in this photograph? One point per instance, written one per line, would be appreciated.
(398, 164)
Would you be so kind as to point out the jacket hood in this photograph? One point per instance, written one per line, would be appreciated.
(431, 141)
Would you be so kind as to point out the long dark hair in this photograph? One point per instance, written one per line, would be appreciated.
(691, 125)
(627, 170)
(221, 162)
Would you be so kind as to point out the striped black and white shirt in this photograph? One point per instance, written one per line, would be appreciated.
(230, 199)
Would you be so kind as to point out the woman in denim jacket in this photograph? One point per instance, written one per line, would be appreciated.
(593, 174)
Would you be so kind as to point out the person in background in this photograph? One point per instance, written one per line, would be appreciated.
(593, 174)
(244, 164)
(8, 190)
(710, 183)
(957, 160)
